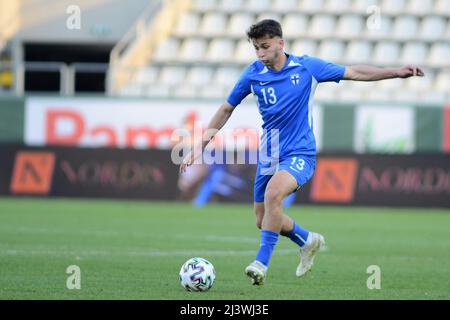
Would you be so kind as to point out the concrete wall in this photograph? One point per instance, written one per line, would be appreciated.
(103, 21)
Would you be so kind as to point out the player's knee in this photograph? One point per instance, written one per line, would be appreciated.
(273, 196)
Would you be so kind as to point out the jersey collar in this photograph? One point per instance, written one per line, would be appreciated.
(286, 64)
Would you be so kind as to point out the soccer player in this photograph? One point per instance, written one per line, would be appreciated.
(283, 86)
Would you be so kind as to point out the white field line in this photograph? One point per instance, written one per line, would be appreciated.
(144, 253)
(118, 233)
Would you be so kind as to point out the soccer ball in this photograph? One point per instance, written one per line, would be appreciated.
(197, 274)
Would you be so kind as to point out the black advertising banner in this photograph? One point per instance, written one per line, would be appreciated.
(105, 173)
(421, 180)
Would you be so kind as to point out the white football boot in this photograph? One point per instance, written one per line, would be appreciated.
(308, 252)
(256, 271)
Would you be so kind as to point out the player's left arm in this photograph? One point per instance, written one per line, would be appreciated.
(370, 73)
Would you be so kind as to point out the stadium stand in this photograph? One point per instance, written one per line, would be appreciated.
(205, 49)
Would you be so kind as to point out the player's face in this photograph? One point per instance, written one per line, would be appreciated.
(268, 50)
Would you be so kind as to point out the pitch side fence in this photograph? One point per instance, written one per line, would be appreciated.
(419, 180)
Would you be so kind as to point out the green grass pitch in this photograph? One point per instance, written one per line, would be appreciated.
(134, 250)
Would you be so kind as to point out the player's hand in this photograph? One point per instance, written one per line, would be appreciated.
(188, 160)
(410, 71)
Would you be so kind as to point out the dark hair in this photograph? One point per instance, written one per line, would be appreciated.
(266, 27)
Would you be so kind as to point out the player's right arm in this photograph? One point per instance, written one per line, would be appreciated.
(239, 92)
(217, 122)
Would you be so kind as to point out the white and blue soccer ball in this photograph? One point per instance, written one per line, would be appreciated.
(197, 274)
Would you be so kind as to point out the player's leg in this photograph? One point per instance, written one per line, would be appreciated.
(287, 224)
(302, 168)
(289, 228)
(278, 187)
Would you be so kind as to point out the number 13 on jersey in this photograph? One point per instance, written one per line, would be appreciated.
(269, 95)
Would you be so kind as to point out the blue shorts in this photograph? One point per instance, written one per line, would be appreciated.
(301, 167)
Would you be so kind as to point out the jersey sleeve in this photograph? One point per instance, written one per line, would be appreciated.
(323, 70)
(241, 90)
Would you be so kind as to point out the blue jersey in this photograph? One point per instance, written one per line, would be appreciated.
(285, 100)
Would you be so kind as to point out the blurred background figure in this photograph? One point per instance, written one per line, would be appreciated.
(190, 181)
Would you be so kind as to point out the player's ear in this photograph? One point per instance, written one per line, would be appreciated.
(281, 42)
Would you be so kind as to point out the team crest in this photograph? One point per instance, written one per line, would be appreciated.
(295, 79)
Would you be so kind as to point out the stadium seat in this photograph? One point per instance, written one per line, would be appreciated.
(442, 7)
(348, 91)
(304, 46)
(231, 5)
(269, 15)
(167, 50)
(392, 85)
(187, 24)
(332, 50)
(131, 89)
(186, 90)
(432, 27)
(204, 5)
(239, 23)
(386, 53)
(439, 54)
(258, 5)
(199, 76)
(381, 29)
(405, 95)
(213, 91)
(358, 51)
(285, 5)
(213, 31)
(157, 90)
(322, 25)
(326, 91)
(213, 24)
(244, 52)
(393, 7)
(295, 24)
(146, 76)
(226, 76)
(350, 25)
(414, 53)
(378, 94)
(364, 87)
(337, 6)
(172, 75)
(192, 50)
(433, 97)
(311, 6)
(361, 6)
(420, 7)
(442, 82)
(220, 50)
(405, 27)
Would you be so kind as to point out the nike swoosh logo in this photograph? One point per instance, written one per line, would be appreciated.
(264, 83)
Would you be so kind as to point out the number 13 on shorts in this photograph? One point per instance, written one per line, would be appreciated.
(297, 164)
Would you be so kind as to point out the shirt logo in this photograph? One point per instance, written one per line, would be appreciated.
(263, 83)
(295, 79)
